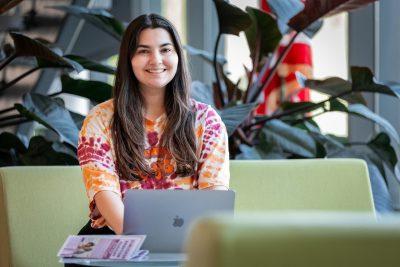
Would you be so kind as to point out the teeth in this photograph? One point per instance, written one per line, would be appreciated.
(156, 71)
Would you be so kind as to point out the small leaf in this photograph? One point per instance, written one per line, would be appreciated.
(94, 90)
(290, 139)
(335, 86)
(266, 26)
(363, 111)
(382, 147)
(285, 10)
(99, 18)
(234, 116)
(91, 65)
(232, 20)
(314, 28)
(363, 81)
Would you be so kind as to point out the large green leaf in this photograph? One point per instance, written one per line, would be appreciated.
(335, 86)
(232, 20)
(78, 119)
(290, 139)
(363, 111)
(46, 57)
(202, 93)
(363, 81)
(40, 152)
(10, 141)
(257, 152)
(10, 148)
(382, 147)
(265, 26)
(99, 18)
(91, 65)
(316, 9)
(207, 56)
(52, 114)
(94, 90)
(305, 107)
(325, 143)
(234, 116)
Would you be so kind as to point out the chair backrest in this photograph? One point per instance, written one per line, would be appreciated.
(310, 184)
(304, 239)
(39, 208)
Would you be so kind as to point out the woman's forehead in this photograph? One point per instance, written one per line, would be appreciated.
(154, 37)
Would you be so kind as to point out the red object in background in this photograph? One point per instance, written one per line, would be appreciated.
(284, 86)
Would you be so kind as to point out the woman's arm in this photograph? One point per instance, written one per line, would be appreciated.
(112, 209)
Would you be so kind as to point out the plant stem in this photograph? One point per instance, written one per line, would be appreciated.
(255, 65)
(12, 123)
(7, 110)
(243, 137)
(8, 60)
(295, 110)
(17, 116)
(8, 85)
(55, 94)
(219, 88)
(273, 70)
(356, 144)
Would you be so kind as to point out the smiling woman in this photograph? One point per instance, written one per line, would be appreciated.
(155, 61)
(151, 135)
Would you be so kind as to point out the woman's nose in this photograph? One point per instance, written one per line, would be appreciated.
(156, 57)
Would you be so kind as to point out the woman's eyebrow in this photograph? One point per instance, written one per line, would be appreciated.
(148, 46)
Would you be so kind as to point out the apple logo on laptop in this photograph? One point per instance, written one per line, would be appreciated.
(178, 222)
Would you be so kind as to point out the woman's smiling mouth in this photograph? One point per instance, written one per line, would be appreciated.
(156, 71)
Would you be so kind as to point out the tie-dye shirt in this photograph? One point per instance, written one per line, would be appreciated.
(96, 156)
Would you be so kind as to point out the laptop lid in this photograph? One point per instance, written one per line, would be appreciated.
(165, 215)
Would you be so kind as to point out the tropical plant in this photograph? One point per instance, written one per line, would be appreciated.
(291, 132)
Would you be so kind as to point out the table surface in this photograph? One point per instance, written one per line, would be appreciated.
(153, 259)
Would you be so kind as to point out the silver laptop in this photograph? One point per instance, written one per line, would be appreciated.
(165, 215)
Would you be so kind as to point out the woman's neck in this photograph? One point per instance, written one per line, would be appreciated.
(154, 103)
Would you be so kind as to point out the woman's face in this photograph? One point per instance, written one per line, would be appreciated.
(155, 61)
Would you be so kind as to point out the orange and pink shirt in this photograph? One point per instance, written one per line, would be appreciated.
(96, 156)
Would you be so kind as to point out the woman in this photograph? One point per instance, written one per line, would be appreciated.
(151, 135)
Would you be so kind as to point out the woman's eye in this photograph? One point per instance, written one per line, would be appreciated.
(166, 50)
(142, 52)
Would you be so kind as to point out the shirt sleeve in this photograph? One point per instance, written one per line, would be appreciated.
(97, 161)
(213, 168)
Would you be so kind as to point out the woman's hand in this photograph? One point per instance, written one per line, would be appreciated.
(112, 209)
(216, 187)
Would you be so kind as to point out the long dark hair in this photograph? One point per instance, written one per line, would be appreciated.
(128, 130)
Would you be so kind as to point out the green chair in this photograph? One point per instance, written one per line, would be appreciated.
(310, 184)
(39, 208)
(305, 239)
